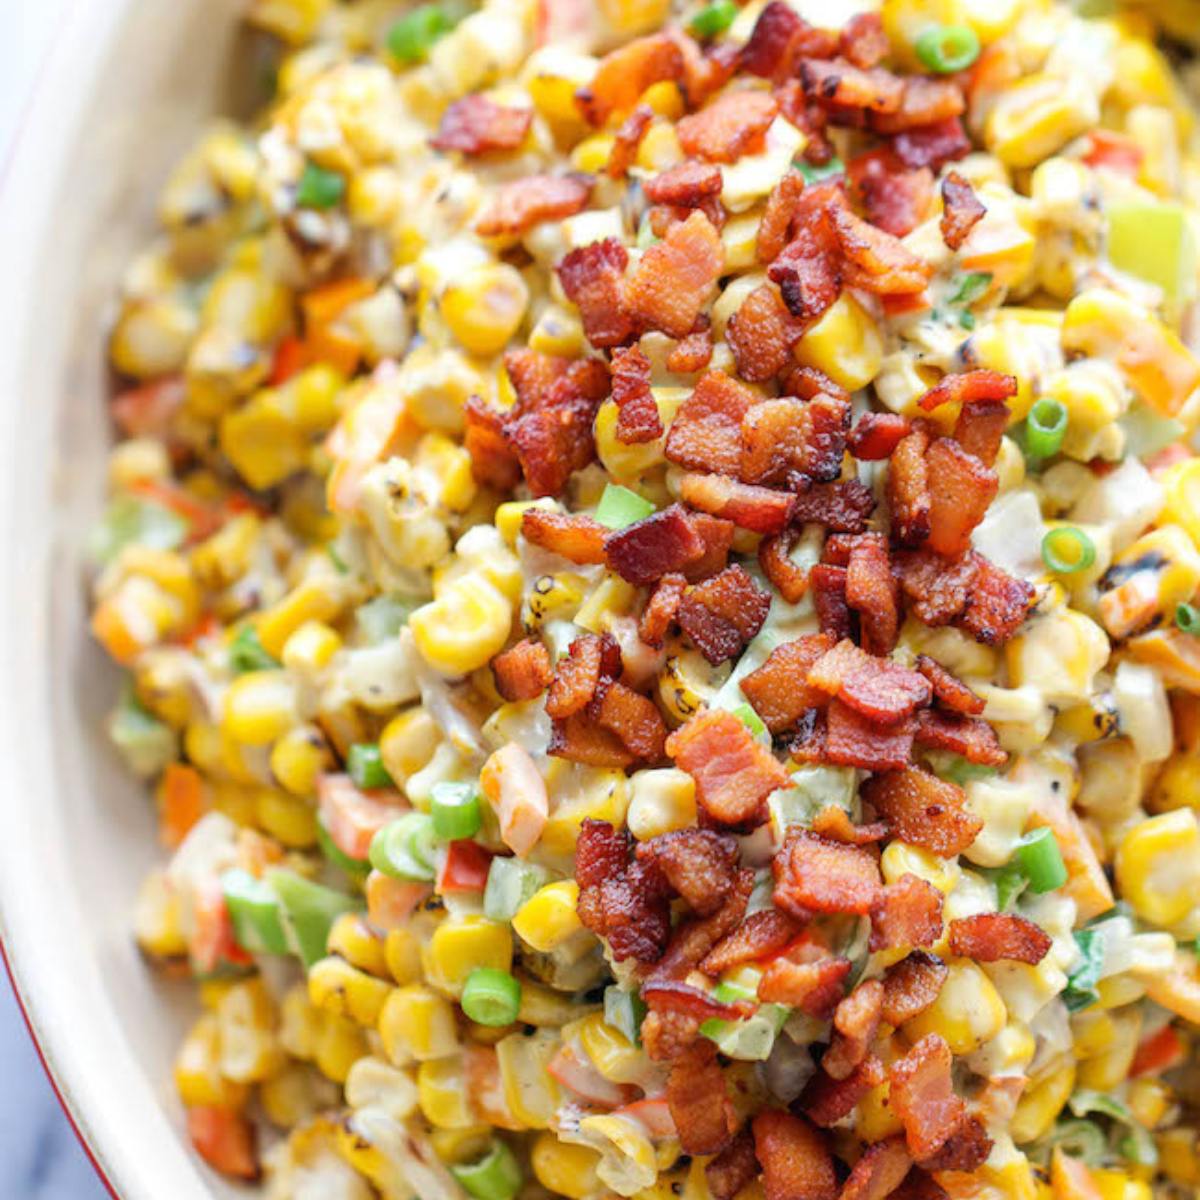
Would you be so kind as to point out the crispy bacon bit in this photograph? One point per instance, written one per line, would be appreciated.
(833, 822)
(761, 334)
(964, 1150)
(827, 1101)
(723, 613)
(759, 935)
(961, 489)
(733, 1169)
(574, 536)
(893, 196)
(696, 936)
(948, 689)
(853, 741)
(626, 73)
(919, 1186)
(698, 863)
(829, 599)
(661, 609)
(990, 937)
(841, 507)
(523, 671)
(864, 41)
(758, 509)
(877, 261)
(808, 383)
(626, 141)
(848, 86)
(645, 551)
(854, 1026)
(676, 276)
(593, 660)
(520, 205)
(796, 1162)
(727, 128)
(922, 809)
(778, 35)
(980, 428)
(578, 738)
(880, 1170)
(673, 995)
(692, 354)
(787, 577)
(872, 593)
(809, 269)
(591, 276)
(810, 980)
(734, 774)
(775, 229)
(933, 145)
(938, 590)
(686, 185)
(493, 462)
(925, 101)
(717, 536)
(476, 125)
(969, 385)
(908, 488)
(706, 432)
(633, 718)
(908, 913)
(667, 1034)
(974, 739)
(997, 605)
(922, 1094)
(699, 1101)
(637, 413)
(879, 689)
(813, 874)
(876, 435)
(790, 442)
(778, 690)
(911, 986)
(962, 210)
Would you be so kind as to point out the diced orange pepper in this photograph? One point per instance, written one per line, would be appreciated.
(181, 802)
(1159, 1052)
(325, 303)
(291, 356)
(1071, 1179)
(225, 1140)
(111, 631)
(1179, 988)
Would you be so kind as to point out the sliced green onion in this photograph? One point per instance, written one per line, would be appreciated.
(730, 992)
(496, 1176)
(619, 507)
(411, 37)
(947, 48)
(971, 286)
(246, 652)
(254, 912)
(1187, 617)
(146, 744)
(957, 769)
(1137, 1145)
(1079, 1139)
(1081, 989)
(130, 521)
(1068, 549)
(1041, 860)
(624, 1011)
(319, 188)
(385, 616)
(510, 883)
(366, 768)
(1045, 428)
(751, 720)
(404, 848)
(455, 811)
(491, 996)
(814, 173)
(354, 867)
(750, 1040)
(713, 19)
(309, 911)
(1010, 883)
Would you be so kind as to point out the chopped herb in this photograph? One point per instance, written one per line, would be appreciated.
(411, 38)
(1081, 983)
(814, 173)
(971, 286)
(713, 19)
(319, 188)
(246, 652)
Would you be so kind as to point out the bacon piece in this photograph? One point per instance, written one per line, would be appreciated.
(579, 739)
(706, 432)
(948, 689)
(911, 986)
(848, 86)
(787, 577)
(626, 141)
(477, 125)
(969, 385)
(962, 210)
(657, 545)
(717, 536)
(634, 718)
(829, 599)
(685, 185)
(520, 205)
(813, 874)
(809, 271)
(872, 593)
(922, 809)
(880, 1170)
(661, 609)
(919, 1186)
(695, 937)
(775, 229)
(813, 985)
(699, 864)
(675, 277)
(939, 590)
(877, 688)
(980, 428)
(990, 937)
(932, 145)
(673, 995)
(779, 37)
(574, 536)
(733, 1169)
(974, 739)
(759, 935)
(593, 660)
(833, 823)
(961, 489)
(926, 101)
(692, 354)
(876, 435)
(796, 1162)
(894, 197)
(667, 1034)
(855, 1023)
(637, 413)
(876, 261)
(723, 613)
(997, 605)
(761, 334)
(778, 690)
(842, 507)
(908, 488)
(758, 509)
(826, 1100)
(493, 462)
(863, 40)
(853, 741)
(591, 276)
(699, 1101)
(790, 442)
(533, 374)
(965, 1150)
(626, 73)
(807, 383)
(728, 127)
(734, 774)
(908, 913)
(523, 671)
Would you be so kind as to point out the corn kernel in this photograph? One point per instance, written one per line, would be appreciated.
(1158, 866)
(198, 1077)
(340, 1044)
(611, 1052)
(548, 918)
(298, 758)
(967, 1012)
(459, 945)
(442, 1094)
(464, 628)
(286, 818)
(355, 939)
(417, 1023)
(402, 952)
(337, 987)
(1041, 1104)
(311, 647)
(565, 1169)
(845, 344)
(901, 858)
(662, 800)
(259, 707)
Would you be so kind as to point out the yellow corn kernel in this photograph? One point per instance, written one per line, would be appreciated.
(1181, 505)
(402, 954)
(292, 1095)
(845, 343)
(335, 986)
(612, 597)
(464, 628)
(967, 1012)
(224, 557)
(557, 332)
(262, 441)
(407, 744)
(564, 1169)
(1177, 784)
(876, 1119)
(485, 308)
(1153, 128)
(1149, 1100)
(198, 1077)
(340, 1044)
(631, 17)
(1041, 1104)
(300, 1024)
(457, 1146)
(259, 707)
(1092, 1032)
(548, 918)
(1009, 1052)
(1178, 1155)
(376, 1084)
(442, 1094)
(459, 945)
(298, 758)
(246, 1016)
(530, 1092)
(1158, 866)
(628, 1162)
(611, 1052)
(449, 465)
(1059, 654)
(151, 337)
(1094, 396)
(1162, 571)
(592, 153)
(238, 802)
(1037, 116)
(1119, 990)
(901, 858)
(311, 647)
(286, 818)
(661, 800)
(293, 21)
(417, 1023)
(1118, 1185)
(510, 514)
(313, 600)
(601, 794)
(552, 596)
(659, 147)
(157, 919)
(542, 1005)
(355, 939)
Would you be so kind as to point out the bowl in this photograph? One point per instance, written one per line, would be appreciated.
(123, 93)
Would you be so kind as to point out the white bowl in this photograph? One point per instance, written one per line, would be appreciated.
(127, 87)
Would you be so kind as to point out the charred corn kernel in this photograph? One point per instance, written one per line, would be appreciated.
(564, 1169)
(449, 467)
(417, 1023)
(298, 758)
(659, 147)
(967, 1012)
(442, 1094)
(552, 596)
(465, 627)
(402, 953)
(376, 1084)
(601, 794)
(1059, 654)
(312, 601)
(1149, 1100)
(612, 597)
(548, 918)
(530, 1092)
(1041, 1104)
(292, 1095)
(353, 938)
(661, 800)
(224, 557)
(1035, 117)
(876, 1119)
(286, 818)
(407, 744)
(1158, 866)
(1157, 573)
(845, 344)
(1178, 1155)
(901, 858)
(511, 513)
(460, 944)
(259, 707)
(611, 1052)
(157, 918)
(198, 1077)
(340, 1044)
(311, 647)
(485, 309)
(300, 1023)
(335, 986)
